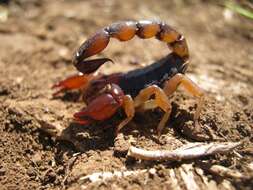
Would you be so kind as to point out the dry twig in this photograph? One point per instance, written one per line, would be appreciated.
(68, 168)
(223, 171)
(101, 176)
(189, 151)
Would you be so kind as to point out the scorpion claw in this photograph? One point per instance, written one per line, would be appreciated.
(79, 118)
(77, 81)
(91, 66)
(102, 107)
(58, 91)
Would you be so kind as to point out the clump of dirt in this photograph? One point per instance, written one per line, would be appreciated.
(42, 149)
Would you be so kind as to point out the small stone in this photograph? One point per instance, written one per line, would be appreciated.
(60, 170)
(152, 171)
(2, 171)
(50, 176)
(37, 157)
(120, 144)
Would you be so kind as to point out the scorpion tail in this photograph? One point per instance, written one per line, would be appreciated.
(90, 66)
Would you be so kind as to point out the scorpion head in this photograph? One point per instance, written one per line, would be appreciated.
(98, 85)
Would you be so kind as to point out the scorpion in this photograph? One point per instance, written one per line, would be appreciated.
(141, 89)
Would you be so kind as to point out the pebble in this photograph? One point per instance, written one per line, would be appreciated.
(2, 171)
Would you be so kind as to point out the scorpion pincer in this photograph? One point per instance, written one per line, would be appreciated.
(144, 88)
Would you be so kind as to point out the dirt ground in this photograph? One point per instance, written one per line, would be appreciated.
(36, 45)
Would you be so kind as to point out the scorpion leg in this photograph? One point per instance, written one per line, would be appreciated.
(160, 100)
(128, 106)
(179, 79)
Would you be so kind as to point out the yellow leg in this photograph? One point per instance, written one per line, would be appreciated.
(189, 86)
(128, 106)
(160, 100)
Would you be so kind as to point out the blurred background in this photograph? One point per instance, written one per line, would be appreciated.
(37, 41)
(216, 31)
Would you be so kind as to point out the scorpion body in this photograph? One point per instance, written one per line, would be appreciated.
(154, 74)
(149, 86)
